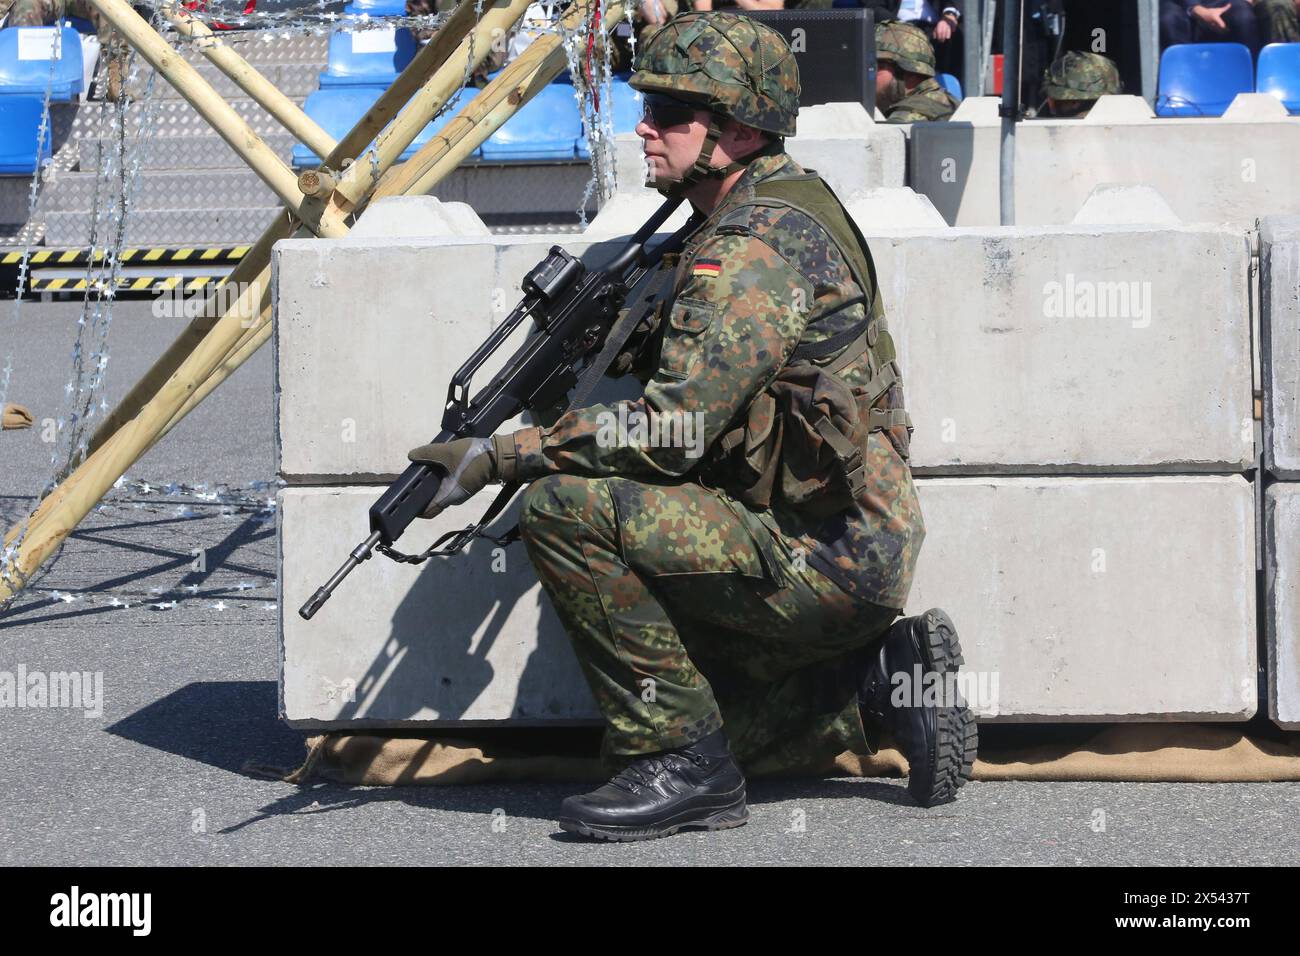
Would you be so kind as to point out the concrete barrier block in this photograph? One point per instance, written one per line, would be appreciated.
(1097, 598)
(1110, 204)
(453, 641)
(848, 149)
(1254, 107)
(896, 208)
(407, 217)
(369, 335)
(1076, 599)
(1106, 349)
(1282, 618)
(1098, 349)
(1244, 165)
(1119, 109)
(979, 110)
(1279, 257)
(355, 382)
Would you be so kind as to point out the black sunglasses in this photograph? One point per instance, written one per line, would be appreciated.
(663, 111)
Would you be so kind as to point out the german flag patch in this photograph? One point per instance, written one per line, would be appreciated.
(707, 267)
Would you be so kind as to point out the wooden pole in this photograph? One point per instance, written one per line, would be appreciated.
(446, 41)
(221, 116)
(248, 79)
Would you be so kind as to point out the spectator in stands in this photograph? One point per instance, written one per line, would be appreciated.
(1075, 81)
(39, 13)
(942, 24)
(1279, 21)
(1185, 21)
(906, 90)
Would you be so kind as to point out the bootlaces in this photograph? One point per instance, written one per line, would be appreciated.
(642, 772)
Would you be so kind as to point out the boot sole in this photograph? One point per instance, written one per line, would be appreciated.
(736, 815)
(957, 734)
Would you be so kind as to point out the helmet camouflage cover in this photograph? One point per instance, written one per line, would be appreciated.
(727, 63)
(905, 45)
(1080, 76)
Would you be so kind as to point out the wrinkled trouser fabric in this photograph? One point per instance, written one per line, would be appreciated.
(679, 630)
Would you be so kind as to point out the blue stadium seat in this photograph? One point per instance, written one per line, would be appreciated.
(951, 84)
(25, 62)
(1279, 73)
(367, 57)
(547, 128)
(20, 122)
(627, 111)
(1202, 79)
(339, 109)
(377, 8)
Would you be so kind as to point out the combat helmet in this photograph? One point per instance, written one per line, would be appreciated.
(1080, 76)
(906, 46)
(727, 64)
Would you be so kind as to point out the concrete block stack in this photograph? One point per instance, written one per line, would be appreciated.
(1085, 432)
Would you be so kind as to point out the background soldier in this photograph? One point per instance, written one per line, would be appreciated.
(1075, 81)
(906, 90)
(755, 585)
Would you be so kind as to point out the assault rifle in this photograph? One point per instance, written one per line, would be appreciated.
(574, 310)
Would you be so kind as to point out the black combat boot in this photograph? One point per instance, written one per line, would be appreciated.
(926, 715)
(658, 794)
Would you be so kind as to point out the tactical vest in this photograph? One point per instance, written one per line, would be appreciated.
(802, 439)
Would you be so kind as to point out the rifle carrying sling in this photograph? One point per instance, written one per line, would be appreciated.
(803, 437)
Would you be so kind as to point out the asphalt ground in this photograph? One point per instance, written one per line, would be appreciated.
(189, 660)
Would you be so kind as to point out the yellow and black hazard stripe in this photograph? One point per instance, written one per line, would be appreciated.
(162, 255)
(144, 284)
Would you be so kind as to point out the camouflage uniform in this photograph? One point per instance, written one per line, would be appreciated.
(685, 607)
(907, 49)
(1278, 21)
(926, 102)
(1080, 78)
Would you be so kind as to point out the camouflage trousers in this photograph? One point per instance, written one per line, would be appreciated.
(1278, 21)
(667, 595)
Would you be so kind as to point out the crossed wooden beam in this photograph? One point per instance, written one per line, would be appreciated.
(317, 203)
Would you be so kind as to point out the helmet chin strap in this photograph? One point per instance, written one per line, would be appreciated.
(702, 168)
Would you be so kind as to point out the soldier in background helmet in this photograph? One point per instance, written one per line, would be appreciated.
(727, 618)
(906, 88)
(1075, 81)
